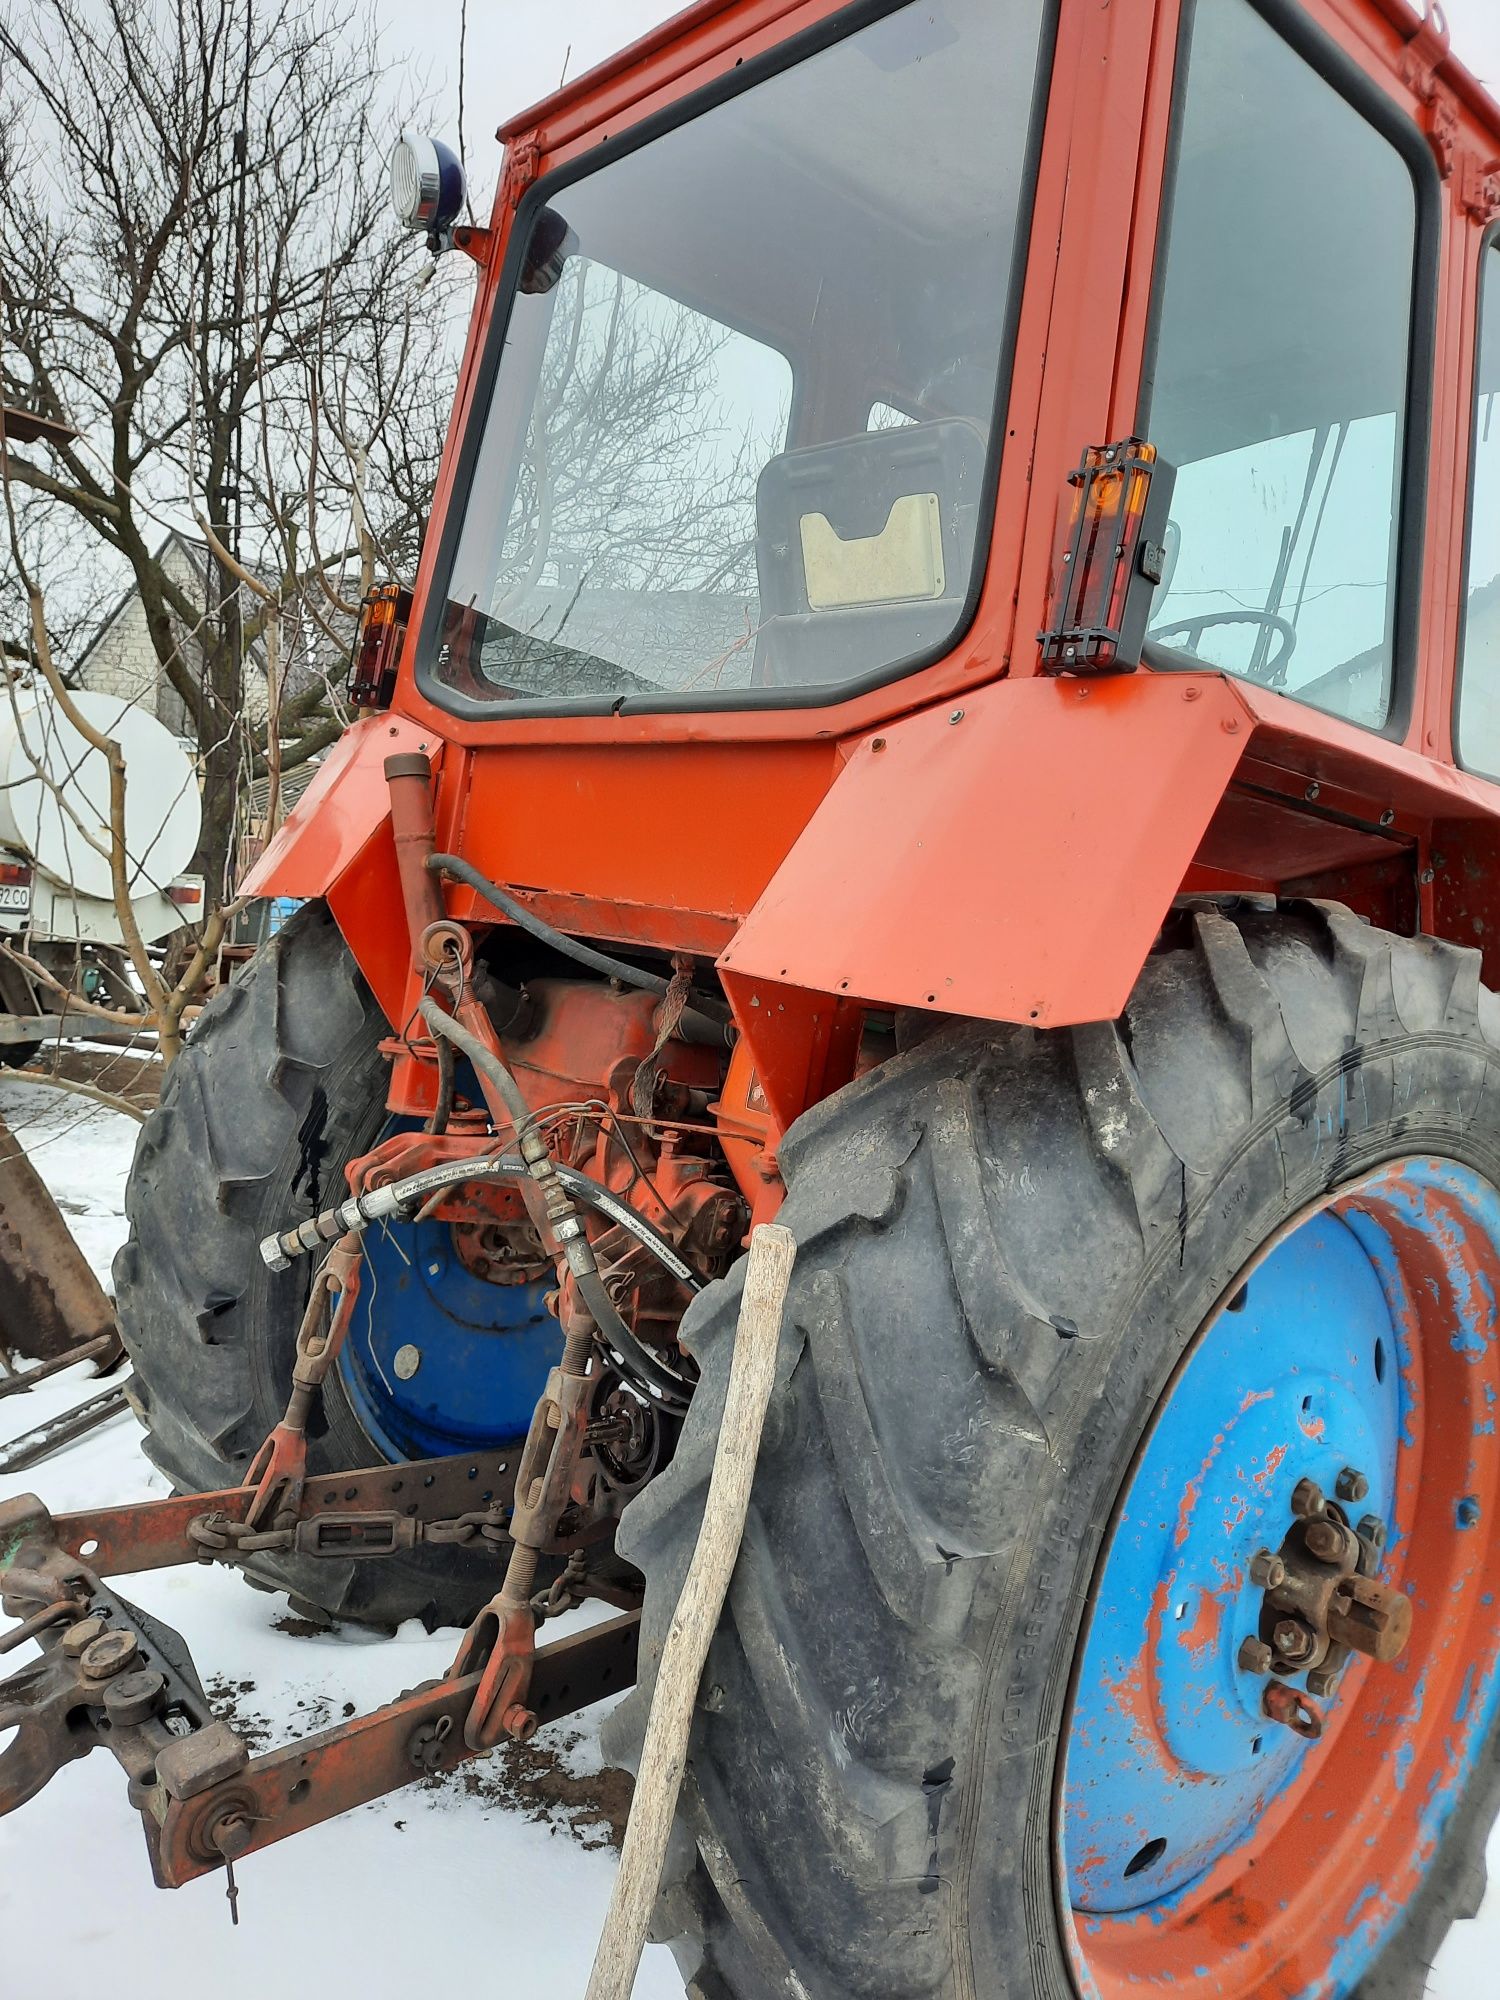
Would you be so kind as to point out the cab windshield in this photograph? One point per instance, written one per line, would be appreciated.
(738, 426)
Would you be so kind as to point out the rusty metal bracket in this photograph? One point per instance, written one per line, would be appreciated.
(418, 1735)
(108, 1673)
(111, 1676)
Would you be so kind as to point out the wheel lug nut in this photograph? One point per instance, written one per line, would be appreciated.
(1307, 1500)
(1325, 1540)
(1267, 1570)
(1292, 1640)
(1255, 1656)
(1352, 1485)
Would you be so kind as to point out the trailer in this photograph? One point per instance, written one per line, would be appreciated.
(949, 703)
(60, 918)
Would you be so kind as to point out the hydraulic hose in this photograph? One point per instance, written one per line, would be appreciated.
(400, 1200)
(695, 1025)
(559, 1216)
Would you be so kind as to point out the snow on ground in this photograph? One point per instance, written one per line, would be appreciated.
(496, 1885)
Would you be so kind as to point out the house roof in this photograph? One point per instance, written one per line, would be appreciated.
(302, 664)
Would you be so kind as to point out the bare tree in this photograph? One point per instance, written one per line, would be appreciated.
(631, 523)
(197, 272)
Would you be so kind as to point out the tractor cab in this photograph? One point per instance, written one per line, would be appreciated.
(950, 702)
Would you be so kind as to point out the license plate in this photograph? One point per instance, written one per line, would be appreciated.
(15, 899)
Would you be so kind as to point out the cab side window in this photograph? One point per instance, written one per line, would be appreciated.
(1479, 666)
(1280, 384)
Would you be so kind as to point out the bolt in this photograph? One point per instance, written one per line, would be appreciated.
(519, 1722)
(1256, 1656)
(78, 1638)
(1325, 1540)
(406, 1361)
(134, 1697)
(1352, 1485)
(1267, 1570)
(110, 1654)
(1372, 1530)
(1323, 1681)
(1292, 1639)
(1307, 1500)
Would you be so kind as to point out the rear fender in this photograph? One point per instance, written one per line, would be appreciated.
(1011, 859)
(336, 843)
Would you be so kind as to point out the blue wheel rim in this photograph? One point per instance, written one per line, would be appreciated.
(1172, 1769)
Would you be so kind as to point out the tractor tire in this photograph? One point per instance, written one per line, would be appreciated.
(280, 1085)
(1007, 1239)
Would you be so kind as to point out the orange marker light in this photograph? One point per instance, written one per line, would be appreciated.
(1109, 559)
(377, 646)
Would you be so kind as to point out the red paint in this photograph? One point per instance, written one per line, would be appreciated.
(1075, 815)
(1201, 1637)
(950, 870)
(1274, 1459)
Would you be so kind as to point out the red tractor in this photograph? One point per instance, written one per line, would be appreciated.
(953, 700)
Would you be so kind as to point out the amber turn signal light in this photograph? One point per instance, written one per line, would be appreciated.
(1109, 559)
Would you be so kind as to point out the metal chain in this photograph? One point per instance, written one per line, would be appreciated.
(218, 1539)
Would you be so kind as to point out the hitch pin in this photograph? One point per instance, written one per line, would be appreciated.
(231, 1836)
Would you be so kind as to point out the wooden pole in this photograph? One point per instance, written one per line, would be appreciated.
(664, 1753)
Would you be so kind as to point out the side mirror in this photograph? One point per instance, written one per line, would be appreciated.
(427, 188)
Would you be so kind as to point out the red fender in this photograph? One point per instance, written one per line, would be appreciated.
(336, 842)
(1011, 859)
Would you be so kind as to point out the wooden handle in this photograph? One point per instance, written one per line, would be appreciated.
(664, 1753)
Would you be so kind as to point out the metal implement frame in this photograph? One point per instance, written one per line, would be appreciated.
(111, 1676)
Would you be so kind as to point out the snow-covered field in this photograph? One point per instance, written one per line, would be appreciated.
(495, 1886)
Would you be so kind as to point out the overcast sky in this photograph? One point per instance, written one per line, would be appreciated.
(517, 50)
